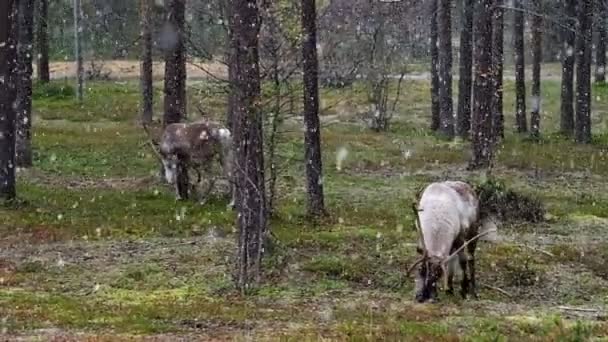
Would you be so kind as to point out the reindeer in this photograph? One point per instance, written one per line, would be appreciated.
(448, 220)
(194, 145)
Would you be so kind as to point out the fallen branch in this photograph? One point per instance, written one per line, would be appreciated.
(569, 308)
(498, 289)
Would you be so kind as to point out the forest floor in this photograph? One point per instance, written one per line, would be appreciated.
(97, 248)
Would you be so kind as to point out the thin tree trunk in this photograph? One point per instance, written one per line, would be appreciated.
(78, 49)
(229, 56)
(446, 113)
(482, 87)
(248, 143)
(312, 135)
(8, 54)
(537, 59)
(23, 102)
(147, 90)
(520, 75)
(600, 57)
(43, 42)
(583, 73)
(568, 59)
(465, 82)
(175, 64)
(497, 62)
(434, 52)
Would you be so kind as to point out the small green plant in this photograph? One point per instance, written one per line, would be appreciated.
(496, 199)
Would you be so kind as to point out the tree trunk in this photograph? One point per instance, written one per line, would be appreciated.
(147, 90)
(520, 75)
(435, 107)
(78, 49)
(568, 59)
(312, 135)
(465, 82)
(600, 57)
(43, 42)
(583, 73)
(446, 113)
(175, 65)
(8, 54)
(23, 102)
(230, 49)
(482, 87)
(537, 59)
(497, 68)
(248, 143)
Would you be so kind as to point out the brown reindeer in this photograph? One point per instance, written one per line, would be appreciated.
(194, 145)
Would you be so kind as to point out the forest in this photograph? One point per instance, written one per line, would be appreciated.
(301, 170)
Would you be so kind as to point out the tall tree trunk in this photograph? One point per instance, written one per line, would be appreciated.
(600, 57)
(248, 143)
(147, 90)
(229, 56)
(23, 102)
(175, 65)
(312, 135)
(583, 73)
(43, 42)
(482, 87)
(520, 67)
(537, 59)
(434, 51)
(497, 68)
(465, 83)
(568, 59)
(78, 49)
(446, 113)
(8, 54)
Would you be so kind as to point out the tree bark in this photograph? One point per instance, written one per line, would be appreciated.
(434, 52)
(312, 135)
(497, 68)
(465, 82)
(147, 90)
(537, 59)
(175, 65)
(583, 73)
(568, 58)
(43, 42)
(23, 102)
(248, 143)
(520, 75)
(482, 87)
(600, 57)
(8, 54)
(78, 49)
(446, 113)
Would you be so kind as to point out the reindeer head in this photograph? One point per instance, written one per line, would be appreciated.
(429, 274)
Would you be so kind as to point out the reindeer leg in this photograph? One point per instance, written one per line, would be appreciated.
(205, 194)
(182, 183)
(462, 260)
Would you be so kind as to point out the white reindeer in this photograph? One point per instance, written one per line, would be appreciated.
(448, 221)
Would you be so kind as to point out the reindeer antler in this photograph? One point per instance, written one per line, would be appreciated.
(420, 237)
(151, 142)
(446, 260)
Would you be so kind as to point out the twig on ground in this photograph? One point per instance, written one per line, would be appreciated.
(569, 308)
(497, 289)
